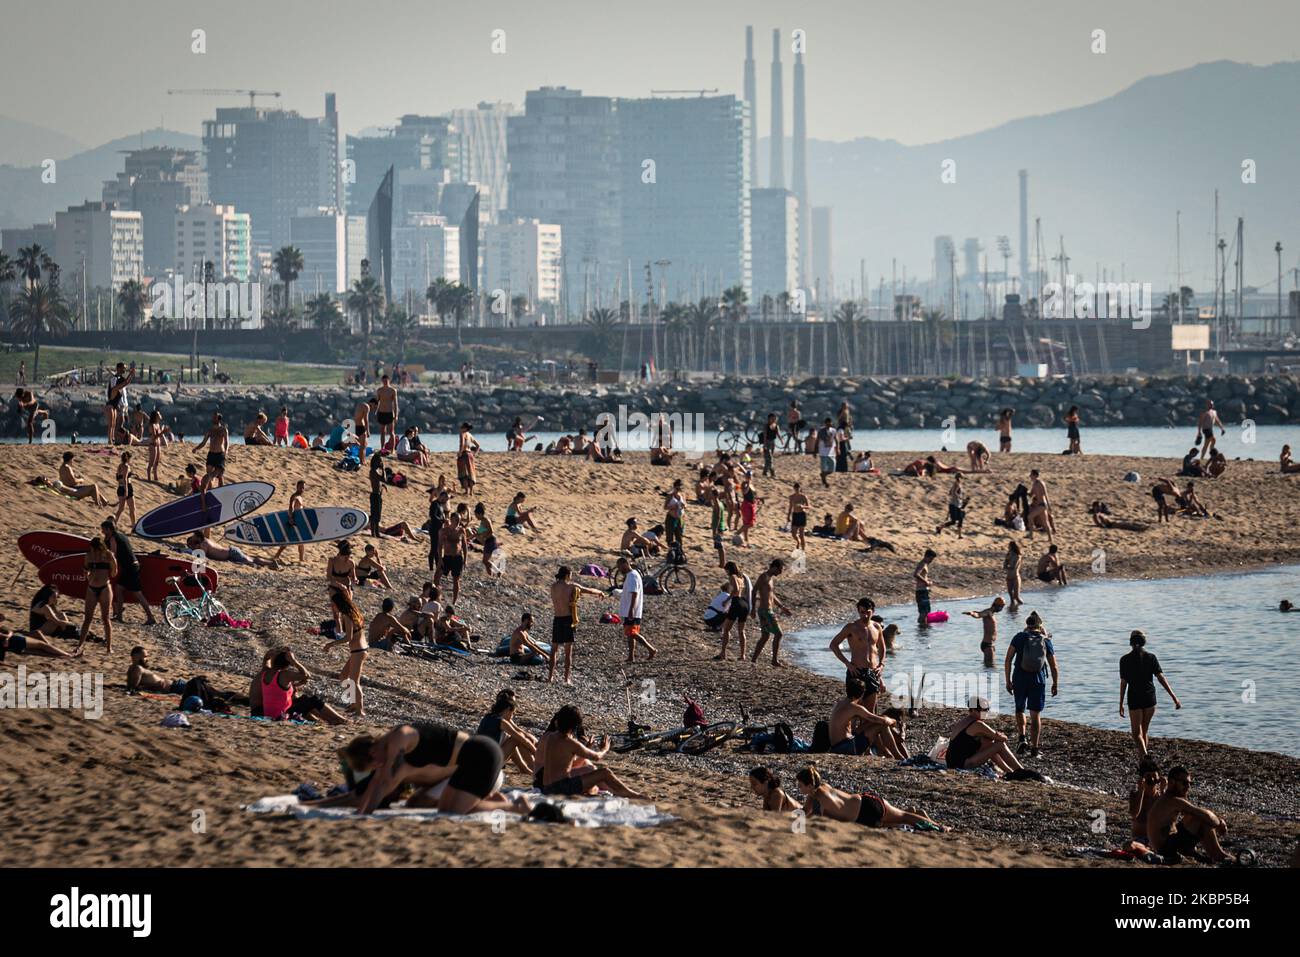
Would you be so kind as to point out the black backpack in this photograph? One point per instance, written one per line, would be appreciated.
(782, 738)
(821, 739)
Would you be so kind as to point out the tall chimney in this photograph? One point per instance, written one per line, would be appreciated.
(751, 97)
(1024, 235)
(776, 172)
(799, 174)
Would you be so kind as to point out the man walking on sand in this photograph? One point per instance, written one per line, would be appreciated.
(386, 411)
(630, 606)
(564, 605)
(217, 440)
(1031, 655)
(796, 515)
(1205, 426)
(766, 603)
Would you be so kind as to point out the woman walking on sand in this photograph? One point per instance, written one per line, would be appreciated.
(155, 438)
(125, 489)
(1011, 566)
(1139, 670)
(1072, 431)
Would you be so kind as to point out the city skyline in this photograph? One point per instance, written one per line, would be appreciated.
(987, 67)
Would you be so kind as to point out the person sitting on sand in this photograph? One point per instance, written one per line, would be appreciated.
(822, 800)
(1192, 467)
(201, 541)
(386, 629)
(275, 691)
(1050, 570)
(1176, 826)
(918, 468)
(517, 517)
(1150, 786)
(973, 743)
(766, 785)
(44, 620)
(1191, 504)
(1217, 465)
(371, 569)
(1288, 466)
(524, 651)
(518, 746)
(1100, 513)
(140, 678)
(407, 451)
(848, 527)
(415, 621)
(863, 465)
(451, 630)
(19, 644)
(560, 772)
(70, 483)
(854, 730)
(255, 431)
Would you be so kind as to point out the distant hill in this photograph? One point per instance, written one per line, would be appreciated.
(24, 199)
(26, 144)
(1109, 176)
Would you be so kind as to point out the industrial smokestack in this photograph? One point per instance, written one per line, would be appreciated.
(799, 174)
(751, 97)
(776, 172)
(1024, 234)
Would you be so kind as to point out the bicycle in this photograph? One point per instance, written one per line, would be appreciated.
(668, 575)
(713, 735)
(734, 439)
(180, 611)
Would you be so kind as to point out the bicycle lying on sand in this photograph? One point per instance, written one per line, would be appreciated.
(688, 739)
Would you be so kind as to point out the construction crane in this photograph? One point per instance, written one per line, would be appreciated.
(252, 94)
(672, 92)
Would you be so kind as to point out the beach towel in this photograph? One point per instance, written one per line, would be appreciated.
(593, 571)
(587, 812)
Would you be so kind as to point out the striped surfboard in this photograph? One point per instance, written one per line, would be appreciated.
(299, 528)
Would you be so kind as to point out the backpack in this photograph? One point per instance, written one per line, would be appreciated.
(1033, 653)
(675, 555)
(694, 715)
(782, 738)
(821, 740)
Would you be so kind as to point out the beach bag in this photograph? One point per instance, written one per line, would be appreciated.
(1033, 654)
(821, 740)
(940, 749)
(783, 741)
(694, 715)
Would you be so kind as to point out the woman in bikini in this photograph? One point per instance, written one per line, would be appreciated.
(12, 642)
(370, 568)
(739, 588)
(155, 439)
(125, 489)
(354, 632)
(516, 744)
(340, 576)
(485, 536)
(422, 754)
(765, 784)
(101, 569)
(822, 800)
(46, 621)
(1011, 566)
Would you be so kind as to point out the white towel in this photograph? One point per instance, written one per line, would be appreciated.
(587, 812)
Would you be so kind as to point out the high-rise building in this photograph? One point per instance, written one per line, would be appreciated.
(210, 233)
(799, 173)
(379, 234)
(565, 169)
(108, 242)
(823, 274)
(463, 206)
(775, 214)
(20, 237)
(156, 181)
(356, 237)
(483, 156)
(270, 164)
(945, 265)
(425, 151)
(425, 249)
(694, 210)
(320, 234)
(523, 258)
(970, 256)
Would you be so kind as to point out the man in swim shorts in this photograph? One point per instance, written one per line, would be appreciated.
(866, 658)
(217, 439)
(386, 410)
(766, 603)
(921, 579)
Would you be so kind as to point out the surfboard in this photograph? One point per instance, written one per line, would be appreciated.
(300, 527)
(68, 575)
(195, 512)
(45, 546)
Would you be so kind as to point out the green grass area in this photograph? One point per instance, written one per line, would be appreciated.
(56, 359)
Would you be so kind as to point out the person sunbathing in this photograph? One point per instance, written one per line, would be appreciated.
(450, 630)
(863, 464)
(1050, 569)
(870, 810)
(1150, 786)
(386, 629)
(764, 783)
(1100, 513)
(19, 644)
(1191, 504)
(562, 771)
(201, 541)
(517, 517)
(416, 621)
(140, 678)
(973, 743)
(44, 620)
(421, 754)
(848, 527)
(523, 650)
(518, 746)
(71, 484)
(370, 568)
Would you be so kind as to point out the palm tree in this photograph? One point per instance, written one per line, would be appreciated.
(700, 318)
(39, 309)
(31, 259)
(459, 299)
(439, 296)
(603, 321)
(399, 327)
(288, 265)
(518, 307)
(8, 273)
(131, 299)
(366, 299)
(735, 308)
(322, 311)
(847, 317)
(674, 320)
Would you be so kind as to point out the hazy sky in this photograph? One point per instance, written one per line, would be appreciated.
(911, 70)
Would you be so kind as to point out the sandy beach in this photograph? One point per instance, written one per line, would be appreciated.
(123, 790)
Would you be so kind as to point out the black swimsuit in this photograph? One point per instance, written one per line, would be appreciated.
(99, 567)
(436, 744)
(961, 749)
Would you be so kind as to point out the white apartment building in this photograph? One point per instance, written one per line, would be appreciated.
(108, 241)
(320, 234)
(426, 248)
(212, 233)
(523, 258)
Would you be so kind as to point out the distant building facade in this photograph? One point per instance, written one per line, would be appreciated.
(321, 236)
(210, 233)
(775, 214)
(107, 241)
(524, 258)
